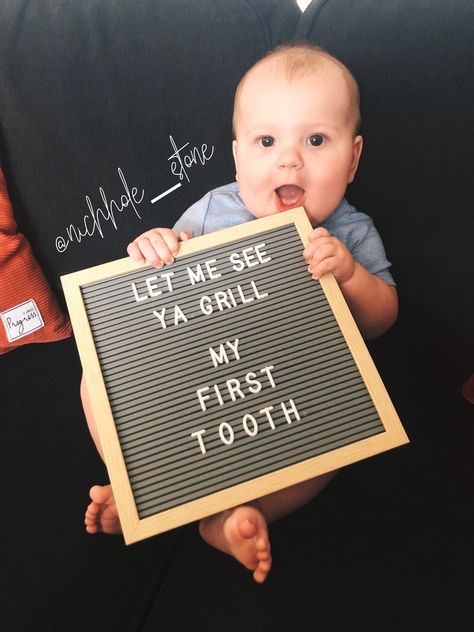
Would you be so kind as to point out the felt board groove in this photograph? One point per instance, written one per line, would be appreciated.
(326, 416)
(214, 414)
(342, 425)
(182, 348)
(179, 481)
(284, 349)
(280, 307)
(330, 408)
(140, 351)
(128, 446)
(152, 373)
(147, 368)
(141, 428)
(132, 322)
(327, 363)
(179, 288)
(119, 286)
(333, 427)
(325, 357)
(206, 486)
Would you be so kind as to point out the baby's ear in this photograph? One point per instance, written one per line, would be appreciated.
(234, 153)
(357, 145)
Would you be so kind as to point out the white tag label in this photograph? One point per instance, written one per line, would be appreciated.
(21, 320)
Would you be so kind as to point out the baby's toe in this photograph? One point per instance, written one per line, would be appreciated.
(265, 567)
(100, 494)
(260, 575)
(262, 544)
(93, 510)
(247, 529)
(261, 572)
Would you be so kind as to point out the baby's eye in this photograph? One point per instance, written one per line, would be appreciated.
(267, 141)
(316, 140)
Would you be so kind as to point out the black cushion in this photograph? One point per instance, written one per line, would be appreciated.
(54, 575)
(414, 64)
(88, 88)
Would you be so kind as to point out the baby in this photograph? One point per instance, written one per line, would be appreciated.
(296, 143)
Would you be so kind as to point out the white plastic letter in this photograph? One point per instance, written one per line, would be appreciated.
(245, 420)
(196, 276)
(135, 293)
(287, 412)
(198, 436)
(266, 411)
(267, 370)
(203, 398)
(161, 316)
(227, 440)
(206, 305)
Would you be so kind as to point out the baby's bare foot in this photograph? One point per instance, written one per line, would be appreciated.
(241, 532)
(102, 514)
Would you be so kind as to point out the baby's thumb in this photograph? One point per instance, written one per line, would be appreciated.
(185, 235)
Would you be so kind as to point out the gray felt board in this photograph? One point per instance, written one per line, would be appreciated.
(298, 392)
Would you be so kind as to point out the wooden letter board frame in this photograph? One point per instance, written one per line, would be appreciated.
(389, 435)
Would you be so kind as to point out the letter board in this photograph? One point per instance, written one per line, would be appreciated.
(225, 376)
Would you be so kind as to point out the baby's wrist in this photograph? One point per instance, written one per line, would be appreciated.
(348, 276)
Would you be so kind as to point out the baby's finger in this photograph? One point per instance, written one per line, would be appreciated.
(323, 267)
(166, 247)
(134, 252)
(150, 253)
(323, 252)
(170, 239)
(185, 235)
(318, 232)
(314, 245)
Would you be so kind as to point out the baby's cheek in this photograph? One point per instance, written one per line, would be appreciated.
(256, 202)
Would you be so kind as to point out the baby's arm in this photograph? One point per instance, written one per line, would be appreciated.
(373, 303)
(158, 246)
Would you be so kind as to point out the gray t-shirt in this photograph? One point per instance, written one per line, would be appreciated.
(223, 207)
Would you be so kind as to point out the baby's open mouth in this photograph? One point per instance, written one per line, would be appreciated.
(289, 196)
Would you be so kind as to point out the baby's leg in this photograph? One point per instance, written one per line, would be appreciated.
(287, 500)
(86, 405)
(241, 532)
(101, 514)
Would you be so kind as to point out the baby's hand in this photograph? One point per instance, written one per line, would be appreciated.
(325, 253)
(157, 246)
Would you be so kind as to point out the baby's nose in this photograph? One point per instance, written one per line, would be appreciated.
(290, 158)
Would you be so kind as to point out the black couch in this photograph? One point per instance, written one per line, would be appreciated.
(89, 87)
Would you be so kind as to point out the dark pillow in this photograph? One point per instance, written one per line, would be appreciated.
(98, 98)
(413, 61)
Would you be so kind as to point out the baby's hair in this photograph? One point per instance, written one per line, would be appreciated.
(298, 60)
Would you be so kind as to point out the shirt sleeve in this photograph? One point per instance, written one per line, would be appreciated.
(369, 251)
(358, 232)
(193, 219)
(218, 209)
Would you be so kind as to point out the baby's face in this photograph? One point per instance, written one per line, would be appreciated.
(294, 142)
